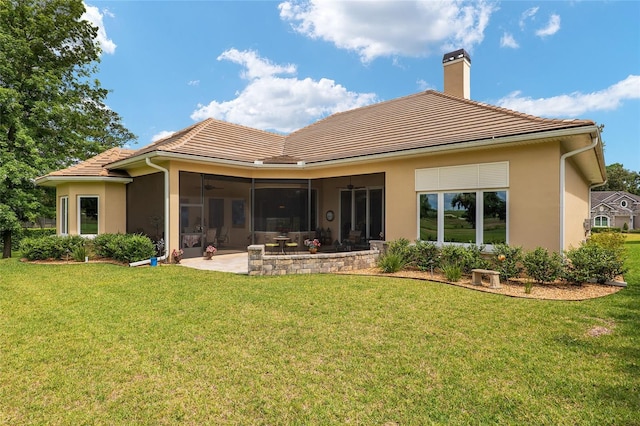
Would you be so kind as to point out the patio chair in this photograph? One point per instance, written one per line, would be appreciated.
(224, 235)
(291, 245)
(211, 237)
(271, 246)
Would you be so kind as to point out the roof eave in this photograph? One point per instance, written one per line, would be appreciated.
(493, 142)
(57, 180)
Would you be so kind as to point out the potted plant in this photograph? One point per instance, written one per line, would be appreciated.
(177, 255)
(312, 245)
(209, 252)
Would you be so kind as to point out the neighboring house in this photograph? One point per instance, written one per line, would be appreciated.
(432, 166)
(615, 209)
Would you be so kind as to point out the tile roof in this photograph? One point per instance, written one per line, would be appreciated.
(422, 120)
(217, 139)
(94, 166)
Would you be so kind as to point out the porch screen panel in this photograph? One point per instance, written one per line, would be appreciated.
(376, 207)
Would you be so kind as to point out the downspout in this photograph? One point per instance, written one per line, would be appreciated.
(594, 143)
(166, 214)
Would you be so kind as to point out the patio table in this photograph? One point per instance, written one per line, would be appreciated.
(282, 239)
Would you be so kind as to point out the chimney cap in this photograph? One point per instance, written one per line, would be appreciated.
(456, 54)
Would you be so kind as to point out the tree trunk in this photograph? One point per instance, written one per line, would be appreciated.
(6, 251)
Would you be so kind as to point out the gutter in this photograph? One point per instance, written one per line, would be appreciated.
(594, 143)
(166, 214)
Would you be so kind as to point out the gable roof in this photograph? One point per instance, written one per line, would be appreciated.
(427, 120)
(609, 198)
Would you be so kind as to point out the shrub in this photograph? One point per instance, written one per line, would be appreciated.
(609, 240)
(593, 261)
(507, 260)
(79, 253)
(466, 257)
(124, 247)
(542, 266)
(599, 230)
(424, 255)
(391, 262)
(50, 247)
(103, 244)
(401, 248)
(452, 273)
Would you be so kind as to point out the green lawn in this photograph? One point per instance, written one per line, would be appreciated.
(103, 344)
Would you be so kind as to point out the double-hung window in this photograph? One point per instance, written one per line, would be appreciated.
(463, 204)
(88, 215)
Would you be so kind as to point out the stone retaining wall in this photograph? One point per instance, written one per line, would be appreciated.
(319, 263)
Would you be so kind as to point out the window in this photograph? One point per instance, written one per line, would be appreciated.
(624, 203)
(473, 217)
(64, 215)
(88, 215)
(601, 221)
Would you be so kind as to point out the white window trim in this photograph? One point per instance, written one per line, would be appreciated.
(624, 203)
(80, 197)
(64, 215)
(601, 225)
(479, 216)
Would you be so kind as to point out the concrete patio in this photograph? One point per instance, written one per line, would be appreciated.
(236, 263)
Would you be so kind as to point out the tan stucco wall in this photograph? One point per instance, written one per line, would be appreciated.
(111, 205)
(576, 200)
(533, 193)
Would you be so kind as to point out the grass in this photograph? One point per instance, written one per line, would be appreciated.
(104, 344)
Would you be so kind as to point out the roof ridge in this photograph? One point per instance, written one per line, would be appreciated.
(188, 133)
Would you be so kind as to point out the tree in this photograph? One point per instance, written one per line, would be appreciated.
(494, 206)
(621, 179)
(52, 113)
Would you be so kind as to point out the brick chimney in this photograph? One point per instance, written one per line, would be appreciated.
(457, 74)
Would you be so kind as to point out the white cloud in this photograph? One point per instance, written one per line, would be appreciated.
(507, 40)
(193, 82)
(391, 27)
(575, 104)
(526, 15)
(271, 101)
(423, 85)
(553, 26)
(161, 135)
(94, 16)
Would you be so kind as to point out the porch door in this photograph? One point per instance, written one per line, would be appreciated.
(191, 229)
(363, 210)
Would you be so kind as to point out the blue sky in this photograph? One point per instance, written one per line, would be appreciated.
(279, 66)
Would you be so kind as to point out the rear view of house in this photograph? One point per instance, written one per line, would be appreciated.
(432, 166)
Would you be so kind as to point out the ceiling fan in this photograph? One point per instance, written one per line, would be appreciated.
(350, 186)
(210, 187)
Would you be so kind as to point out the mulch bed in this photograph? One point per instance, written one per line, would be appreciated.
(514, 288)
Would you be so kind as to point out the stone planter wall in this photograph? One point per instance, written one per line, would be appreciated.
(303, 263)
